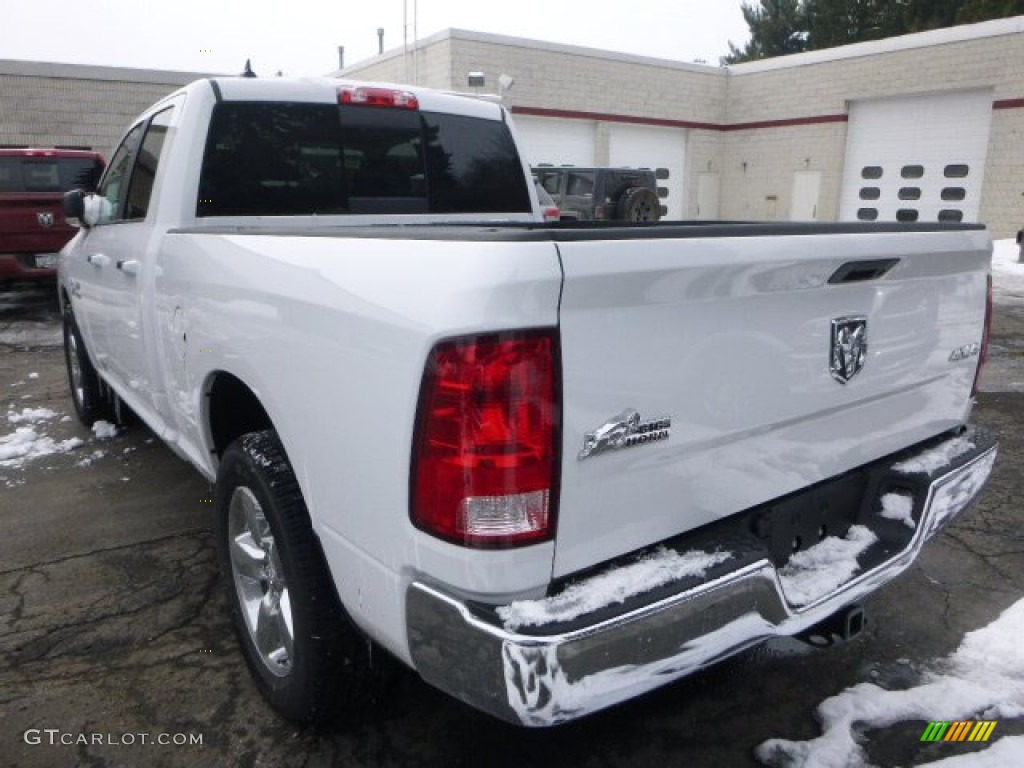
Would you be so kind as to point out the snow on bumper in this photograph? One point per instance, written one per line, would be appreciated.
(529, 676)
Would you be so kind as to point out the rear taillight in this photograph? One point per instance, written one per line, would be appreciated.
(485, 452)
(377, 97)
(983, 354)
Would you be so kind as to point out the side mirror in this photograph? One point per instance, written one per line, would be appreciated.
(74, 207)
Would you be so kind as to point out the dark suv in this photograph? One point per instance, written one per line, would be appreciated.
(32, 187)
(596, 194)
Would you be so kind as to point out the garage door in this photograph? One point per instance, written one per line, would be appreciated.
(918, 158)
(556, 141)
(644, 146)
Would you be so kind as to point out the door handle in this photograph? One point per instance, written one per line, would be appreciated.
(129, 266)
(98, 259)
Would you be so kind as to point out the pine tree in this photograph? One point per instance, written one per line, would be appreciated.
(780, 27)
(776, 27)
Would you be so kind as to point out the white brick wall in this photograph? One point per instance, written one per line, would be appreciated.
(44, 105)
(47, 104)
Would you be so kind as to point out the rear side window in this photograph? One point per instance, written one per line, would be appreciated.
(280, 159)
(48, 174)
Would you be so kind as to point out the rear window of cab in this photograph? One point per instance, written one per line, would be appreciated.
(281, 159)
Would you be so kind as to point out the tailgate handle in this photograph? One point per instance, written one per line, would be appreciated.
(859, 271)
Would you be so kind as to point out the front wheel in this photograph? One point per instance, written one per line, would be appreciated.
(86, 393)
(306, 659)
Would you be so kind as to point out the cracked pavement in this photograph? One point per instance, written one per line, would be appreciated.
(112, 619)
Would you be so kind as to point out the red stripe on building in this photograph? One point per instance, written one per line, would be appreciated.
(787, 123)
(613, 118)
(1008, 104)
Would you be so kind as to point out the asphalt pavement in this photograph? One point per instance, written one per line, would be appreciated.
(114, 635)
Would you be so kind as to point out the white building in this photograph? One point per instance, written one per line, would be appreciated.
(924, 127)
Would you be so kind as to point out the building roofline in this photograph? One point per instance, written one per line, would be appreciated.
(97, 72)
(963, 33)
(540, 45)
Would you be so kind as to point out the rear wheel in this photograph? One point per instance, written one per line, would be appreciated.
(639, 204)
(86, 393)
(306, 658)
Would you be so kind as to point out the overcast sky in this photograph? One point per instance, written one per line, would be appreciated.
(301, 37)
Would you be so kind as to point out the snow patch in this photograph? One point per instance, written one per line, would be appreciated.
(983, 679)
(899, 506)
(936, 458)
(30, 415)
(25, 444)
(33, 375)
(819, 570)
(92, 457)
(104, 430)
(610, 588)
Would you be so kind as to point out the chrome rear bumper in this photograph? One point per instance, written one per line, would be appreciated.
(544, 678)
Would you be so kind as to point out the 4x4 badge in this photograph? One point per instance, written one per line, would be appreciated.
(849, 347)
(45, 219)
(624, 431)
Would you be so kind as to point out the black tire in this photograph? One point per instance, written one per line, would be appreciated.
(327, 666)
(87, 394)
(639, 204)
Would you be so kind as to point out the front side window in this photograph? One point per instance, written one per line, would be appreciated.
(280, 159)
(140, 188)
(115, 180)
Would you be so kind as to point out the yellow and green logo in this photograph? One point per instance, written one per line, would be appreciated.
(959, 730)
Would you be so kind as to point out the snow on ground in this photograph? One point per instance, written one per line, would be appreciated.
(30, 415)
(104, 430)
(92, 457)
(31, 334)
(28, 441)
(25, 443)
(899, 506)
(982, 680)
(819, 570)
(610, 588)
(1007, 271)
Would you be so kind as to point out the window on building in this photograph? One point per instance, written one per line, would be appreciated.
(867, 214)
(954, 194)
(951, 214)
(912, 171)
(910, 193)
(871, 172)
(956, 171)
(907, 214)
(870, 193)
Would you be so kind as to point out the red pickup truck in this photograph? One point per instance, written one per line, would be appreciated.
(32, 225)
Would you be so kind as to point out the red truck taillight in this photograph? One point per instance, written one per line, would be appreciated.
(485, 452)
(983, 354)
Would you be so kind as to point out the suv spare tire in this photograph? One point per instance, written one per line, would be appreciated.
(639, 204)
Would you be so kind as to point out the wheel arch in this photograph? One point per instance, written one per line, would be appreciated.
(232, 410)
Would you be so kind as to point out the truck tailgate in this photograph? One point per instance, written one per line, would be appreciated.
(731, 339)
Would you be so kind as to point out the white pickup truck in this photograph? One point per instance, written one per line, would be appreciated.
(549, 467)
